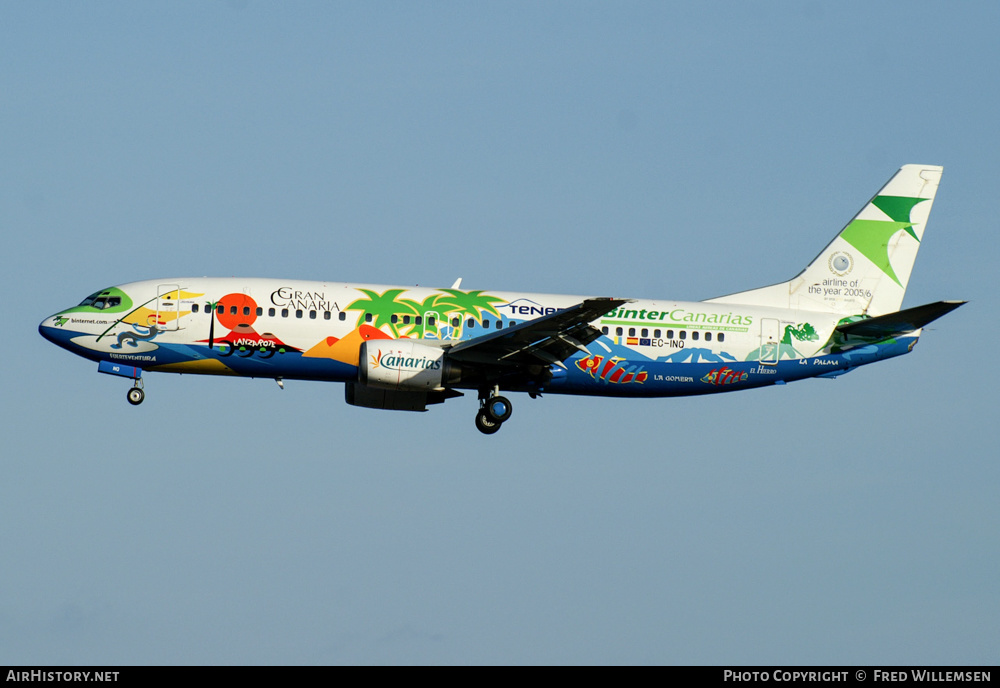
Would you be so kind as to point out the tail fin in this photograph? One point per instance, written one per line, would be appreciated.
(866, 268)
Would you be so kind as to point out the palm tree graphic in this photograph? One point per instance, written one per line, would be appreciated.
(383, 306)
(473, 304)
(449, 302)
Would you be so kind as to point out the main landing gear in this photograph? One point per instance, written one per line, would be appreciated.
(493, 410)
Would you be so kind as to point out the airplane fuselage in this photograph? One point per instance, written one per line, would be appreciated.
(300, 330)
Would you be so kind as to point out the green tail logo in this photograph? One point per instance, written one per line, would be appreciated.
(871, 237)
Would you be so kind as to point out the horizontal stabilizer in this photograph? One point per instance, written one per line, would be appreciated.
(900, 322)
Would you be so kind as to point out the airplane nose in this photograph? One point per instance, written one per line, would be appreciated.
(44, 327)
(47, 328)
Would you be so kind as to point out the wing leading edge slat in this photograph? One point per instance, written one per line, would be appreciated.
(547, 340)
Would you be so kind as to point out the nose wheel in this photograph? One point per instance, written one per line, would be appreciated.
(493, 411)
(135, 395)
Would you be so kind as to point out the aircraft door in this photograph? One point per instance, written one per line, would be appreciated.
(432, 321)
(769, 341)
(168, 305)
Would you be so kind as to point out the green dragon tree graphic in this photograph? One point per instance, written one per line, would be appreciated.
(803, 332)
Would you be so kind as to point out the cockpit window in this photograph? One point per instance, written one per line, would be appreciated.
(101, 300)
(89, 301)
(111, 299)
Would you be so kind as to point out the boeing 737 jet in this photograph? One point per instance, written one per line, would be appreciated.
(405, 348)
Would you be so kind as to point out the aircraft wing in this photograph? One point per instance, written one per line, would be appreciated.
(901, 322)
(547, 340)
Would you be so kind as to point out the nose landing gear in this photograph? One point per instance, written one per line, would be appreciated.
(493, 410)
(135, 395)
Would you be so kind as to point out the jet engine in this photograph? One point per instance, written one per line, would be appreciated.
(404, 365)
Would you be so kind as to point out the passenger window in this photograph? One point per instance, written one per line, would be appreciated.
(604, 330)
(684, 335)
(326, 315)
(194, 308)
(670, 334)
(454, 322)
(722, 336)
(394, 319)
(406, 320)
(298, 313)
(246, 310)
(645, 332)
(342, 316)
(368, 317)
(694, 336)
(486, 323)
(708, 336)
(312, 315)
(221, 310)
(631, 332)
(270, 312)
(471, 323)
(656, 333)
(418, 320)
(431, 321)
(232, 310)
(499, 324)
(284, 312)
(618, 331)
(260, 311)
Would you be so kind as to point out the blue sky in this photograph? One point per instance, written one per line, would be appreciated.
(636, 149)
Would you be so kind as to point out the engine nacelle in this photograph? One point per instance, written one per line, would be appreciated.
(404, 364)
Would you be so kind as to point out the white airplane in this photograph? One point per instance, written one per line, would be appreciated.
(404, 348)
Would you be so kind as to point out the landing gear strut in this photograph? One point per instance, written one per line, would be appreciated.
(493, 410)
(135, 395)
